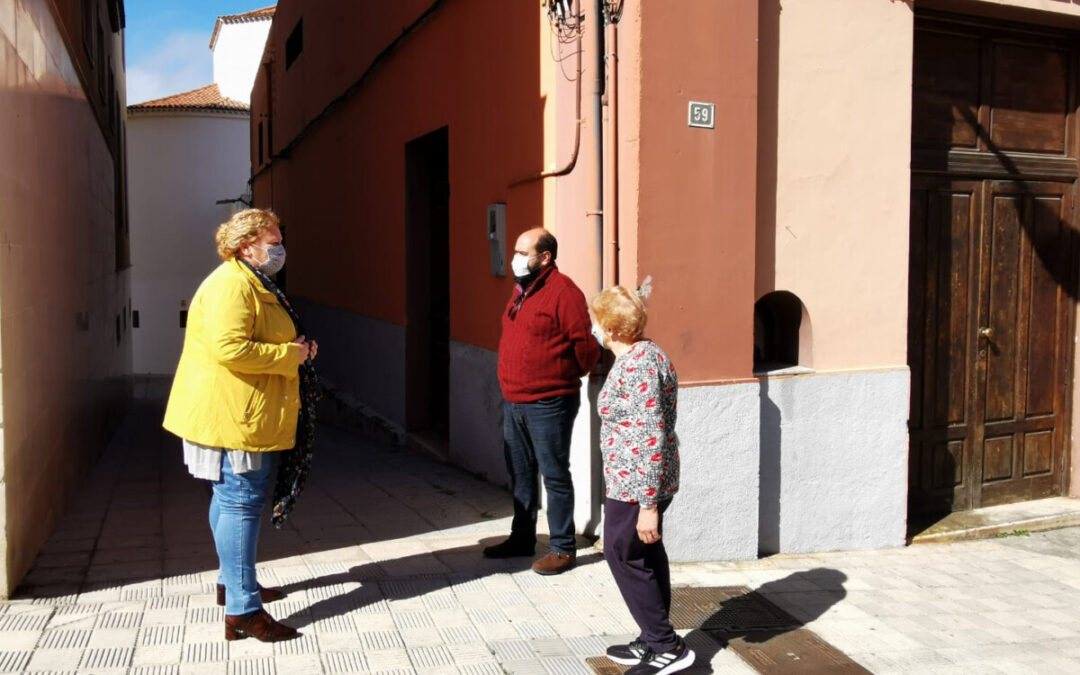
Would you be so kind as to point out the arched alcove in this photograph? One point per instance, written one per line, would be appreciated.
(782, 335)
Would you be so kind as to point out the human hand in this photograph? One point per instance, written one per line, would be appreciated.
(314, 348)
(305, 348)
(648, 525)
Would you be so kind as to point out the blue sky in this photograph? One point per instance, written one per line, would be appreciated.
(168, 43)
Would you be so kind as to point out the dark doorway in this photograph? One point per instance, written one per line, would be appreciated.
(427, 229)
(992, 275)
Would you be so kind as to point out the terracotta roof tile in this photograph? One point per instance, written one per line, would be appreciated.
(264, 14)
(203, 98)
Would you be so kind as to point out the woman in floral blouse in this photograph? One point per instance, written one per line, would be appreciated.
(637, 408)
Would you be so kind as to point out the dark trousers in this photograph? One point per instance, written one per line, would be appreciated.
(537, 436)
(641, 572)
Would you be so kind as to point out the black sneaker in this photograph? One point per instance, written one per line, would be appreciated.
(628, 655)
(510, 549)
(680, 658)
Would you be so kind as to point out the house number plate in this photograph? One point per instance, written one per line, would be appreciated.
(702, 115)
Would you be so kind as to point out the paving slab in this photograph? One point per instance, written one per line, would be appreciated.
(383, 570)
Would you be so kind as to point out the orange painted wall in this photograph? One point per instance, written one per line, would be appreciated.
(473, 67)
(695, 201)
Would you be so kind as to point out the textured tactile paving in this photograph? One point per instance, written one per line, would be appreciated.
(206, 615)
(563, 665)
(65, 639)
(344, 662)
(405, 620)
(305, 644)
(169, 602)
(205, 652)
(430, 657)
(252, 667)
(381, 639)
(157, 670)
(460, 635)
(119, 620)
(14, 661)
(513, 650)
(161, 635)
(24, 621)
(111, 657)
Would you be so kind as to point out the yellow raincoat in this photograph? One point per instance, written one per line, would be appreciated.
(237, 385)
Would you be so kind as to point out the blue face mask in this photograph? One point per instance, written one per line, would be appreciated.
(598, 333)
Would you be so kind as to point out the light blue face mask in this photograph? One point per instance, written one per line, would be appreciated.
(275, 260)
(598, 333)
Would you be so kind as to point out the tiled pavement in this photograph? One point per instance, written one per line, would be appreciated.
(381, 560)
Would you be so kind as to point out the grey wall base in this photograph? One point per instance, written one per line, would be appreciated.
(362, 356)
(791, 464)
(476, 413)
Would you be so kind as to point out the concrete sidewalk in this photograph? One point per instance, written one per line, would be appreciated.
(382, 563)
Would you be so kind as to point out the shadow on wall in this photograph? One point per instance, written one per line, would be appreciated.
(770, 437)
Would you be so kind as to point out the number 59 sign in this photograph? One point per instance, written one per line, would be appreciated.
(702, 115)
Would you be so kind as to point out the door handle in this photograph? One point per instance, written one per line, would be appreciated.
(986, 333)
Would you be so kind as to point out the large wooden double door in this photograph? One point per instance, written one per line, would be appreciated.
(993, 264)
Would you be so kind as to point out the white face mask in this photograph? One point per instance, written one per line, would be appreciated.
(275, 260)
(520, 265)
(599, 334)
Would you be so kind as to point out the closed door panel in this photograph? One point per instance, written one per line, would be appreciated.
(1021, 357)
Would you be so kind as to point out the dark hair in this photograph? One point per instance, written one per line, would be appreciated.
(547, 242)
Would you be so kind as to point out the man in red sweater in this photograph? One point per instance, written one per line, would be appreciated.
(545, 349)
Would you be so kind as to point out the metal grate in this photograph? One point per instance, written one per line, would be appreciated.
(726, 609)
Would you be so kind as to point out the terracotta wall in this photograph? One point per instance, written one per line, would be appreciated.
(341, 189)
(693, 204)
(64, 337)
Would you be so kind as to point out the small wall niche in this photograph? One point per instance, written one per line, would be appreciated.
(782, 336)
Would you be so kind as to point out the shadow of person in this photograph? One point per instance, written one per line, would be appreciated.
(431, 577)
(771, 610)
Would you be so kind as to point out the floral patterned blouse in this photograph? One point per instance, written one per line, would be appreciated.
(637, 434)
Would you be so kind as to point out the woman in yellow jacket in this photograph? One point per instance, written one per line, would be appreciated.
(237, 396)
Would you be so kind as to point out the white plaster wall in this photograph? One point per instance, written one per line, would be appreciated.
(179, 165)
(714, 516)
(237, 53)
(363, 356)
(843, 155)
(834, 456)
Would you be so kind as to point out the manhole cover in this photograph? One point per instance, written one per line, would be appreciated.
(602, 665)
(726, 609)
(797, 652)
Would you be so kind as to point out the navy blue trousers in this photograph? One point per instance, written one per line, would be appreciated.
(537, 436)
(641, 572)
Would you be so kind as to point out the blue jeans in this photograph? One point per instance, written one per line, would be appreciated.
(235, 511)
(537, 435)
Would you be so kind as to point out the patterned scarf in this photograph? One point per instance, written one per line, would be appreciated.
(294, 465)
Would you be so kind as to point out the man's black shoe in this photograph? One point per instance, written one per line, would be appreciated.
(510, 549)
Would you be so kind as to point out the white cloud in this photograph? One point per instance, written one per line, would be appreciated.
(181, 63)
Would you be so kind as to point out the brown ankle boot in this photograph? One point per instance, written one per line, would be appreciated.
(265, 594)
(259, 625)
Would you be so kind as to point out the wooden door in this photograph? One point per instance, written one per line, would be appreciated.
(992, 264)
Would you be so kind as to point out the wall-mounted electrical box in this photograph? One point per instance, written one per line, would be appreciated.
(496, 234)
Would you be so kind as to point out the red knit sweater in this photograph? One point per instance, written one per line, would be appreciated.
(547, 344)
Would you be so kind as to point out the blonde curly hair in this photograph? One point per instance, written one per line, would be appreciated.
(620, 312)
(242, 229)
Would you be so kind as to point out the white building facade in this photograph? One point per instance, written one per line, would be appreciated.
(188, 169)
